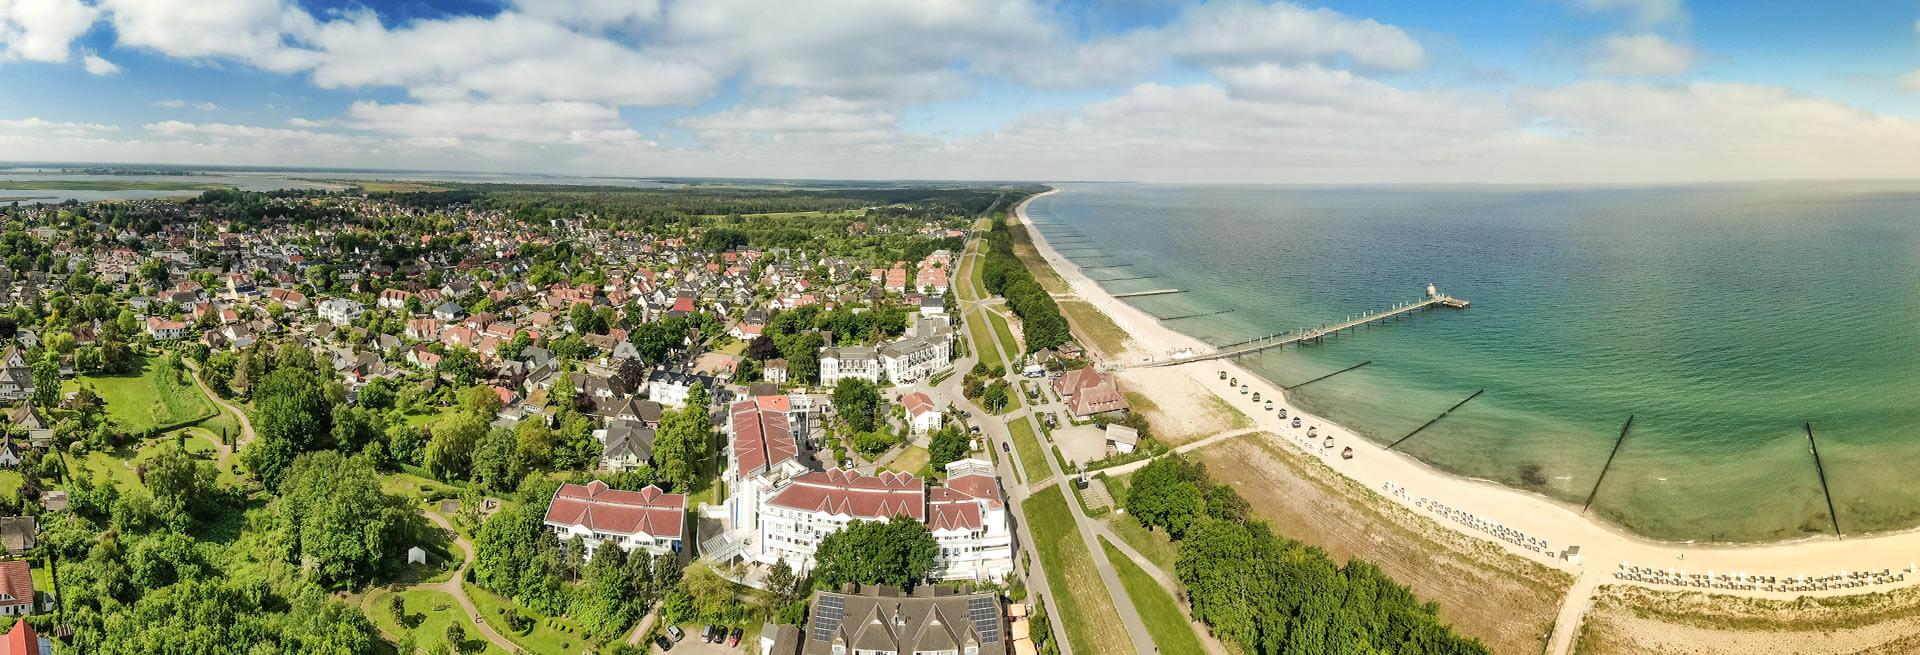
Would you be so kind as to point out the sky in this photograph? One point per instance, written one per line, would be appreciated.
(1362, 91)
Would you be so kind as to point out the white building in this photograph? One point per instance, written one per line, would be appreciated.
(340, 311)
(670, 388)
(922, 415)
(848, 362)
(164, 330)
(914, 358)
(648, 519)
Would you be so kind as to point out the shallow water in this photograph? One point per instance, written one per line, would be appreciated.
(1723, 318)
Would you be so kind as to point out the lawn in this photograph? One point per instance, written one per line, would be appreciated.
(1000, 330)
(421, 419)
(1095, 327)
(146, 398)
(10, 483)
(1032, 456)
(983, 341)
(1168, 625)
(560, 636)
(1154, 544)
(910, 460)
(1092, 624)
(437, 609)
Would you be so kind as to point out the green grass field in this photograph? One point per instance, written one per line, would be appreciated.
(148, 398)
(1032, 456)
(1092, 624)
(1095, 327)
(910, 460)
(1168, 625)
(982, 338)
(544, 639)
(1005, 334)
(437, 609)
(1154, 544)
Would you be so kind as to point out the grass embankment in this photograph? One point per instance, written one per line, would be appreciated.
(1032, 457)
(1092, 624)
(1506, 601)
(107, 185)
(1044, 274)
(1008, 344)
(1094, 327)
(982, 337)
(1163, 617)
(435, 610)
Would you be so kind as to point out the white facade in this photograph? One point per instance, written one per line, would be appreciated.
(340, 311)
(837, 364)
(915, 358)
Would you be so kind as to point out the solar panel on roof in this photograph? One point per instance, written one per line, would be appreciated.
(985, 613)
(827, 616)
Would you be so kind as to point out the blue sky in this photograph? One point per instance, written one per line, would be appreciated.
(1359, 91)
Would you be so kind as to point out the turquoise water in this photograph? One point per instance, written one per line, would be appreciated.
(1723, 318)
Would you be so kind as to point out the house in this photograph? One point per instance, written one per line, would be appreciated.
(670, 388)
(162, 329)
(1088, 392)
(625, 445)
(24, 640)
(933, 305)
(447, 311)
(16, 588)
(393, 299)
(598, 515)
(775, 371)
(16, 382)
(1121, 438)
(837, 363)
(877, 619)
(340, 311)
(922, 415)
(9, 452)
(19, 534)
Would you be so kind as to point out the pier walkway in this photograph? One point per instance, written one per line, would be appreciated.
(1251, 346)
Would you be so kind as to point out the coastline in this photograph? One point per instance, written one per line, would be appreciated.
(1603, 546)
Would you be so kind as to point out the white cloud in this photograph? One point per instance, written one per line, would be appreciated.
(206, 106)
(1226, 33)
(1642, 12)
(1910, 82)
(37, 125)
(96, 65)
(174, 103)
(1640, 55)
(42, 30)
(250, 31)
(550, 122)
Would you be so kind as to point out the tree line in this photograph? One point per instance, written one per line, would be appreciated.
(1005, 275)
(1270, 594)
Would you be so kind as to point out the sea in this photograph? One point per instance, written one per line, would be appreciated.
(1739, 326)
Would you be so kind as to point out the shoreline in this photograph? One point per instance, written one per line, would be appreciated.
(1604, 546)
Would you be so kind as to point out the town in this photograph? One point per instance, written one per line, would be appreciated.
(502, 420)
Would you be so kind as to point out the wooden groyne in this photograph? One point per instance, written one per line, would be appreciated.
(1155, 292)
(1603, 468)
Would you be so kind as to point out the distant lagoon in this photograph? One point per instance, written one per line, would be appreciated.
(273, 180)
(1723, 318)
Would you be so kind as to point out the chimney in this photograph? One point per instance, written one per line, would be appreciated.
(899, 618)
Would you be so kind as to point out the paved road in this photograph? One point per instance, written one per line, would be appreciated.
(452, 585)
(1123, 604)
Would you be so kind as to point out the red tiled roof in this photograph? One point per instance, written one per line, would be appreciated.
(16, 581)
(21, 640)
(1099, 398)
(599, 508)
(848, 493)
(776, 403)
(917, 403)
(760, 438)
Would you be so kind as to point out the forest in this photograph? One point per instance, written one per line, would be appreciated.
(1270, 594)
(1005, 275)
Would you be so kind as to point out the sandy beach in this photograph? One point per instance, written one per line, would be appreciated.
(1603, 548)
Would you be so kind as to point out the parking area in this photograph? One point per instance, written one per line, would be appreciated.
(1081, 443)
(692, 645)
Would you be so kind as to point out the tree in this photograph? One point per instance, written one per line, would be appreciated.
(292, 415)
(450, 453)
(179, 483)
(461, 365)
(683, 442)
(1166, 494)
(858, 402)
(337, 523)
(898, 552)
(762, 349)
(481, 401)
(947, 446)
(712, 594)
(46, 382)
(629, 376)
(994, 397)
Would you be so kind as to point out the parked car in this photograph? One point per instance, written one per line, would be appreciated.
(661, 641)
(713, 634)
(1005, 448)
(734, 639)
(674, 632)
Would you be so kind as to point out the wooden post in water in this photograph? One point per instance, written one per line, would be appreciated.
(1817, 466)
(1608, 465)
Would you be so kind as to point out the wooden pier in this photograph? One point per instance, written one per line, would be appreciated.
(1251, 346)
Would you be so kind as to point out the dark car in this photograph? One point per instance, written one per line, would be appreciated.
(1005, 448)
(734, 639)
(713, 633)
(661, 641)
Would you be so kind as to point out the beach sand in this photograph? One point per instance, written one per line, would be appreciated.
(1603, 547)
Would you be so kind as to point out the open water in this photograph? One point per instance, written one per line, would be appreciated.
(1724, 318)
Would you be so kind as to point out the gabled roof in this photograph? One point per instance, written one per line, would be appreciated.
(600, 508)
(761, 439)
(848, 493)
(16, 583)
